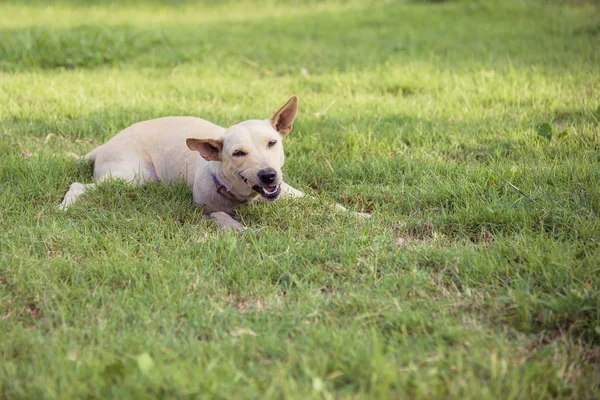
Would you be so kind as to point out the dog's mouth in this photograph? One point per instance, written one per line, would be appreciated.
(270, 193)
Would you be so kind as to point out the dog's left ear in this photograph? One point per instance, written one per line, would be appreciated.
(283, 119)
(209, 149)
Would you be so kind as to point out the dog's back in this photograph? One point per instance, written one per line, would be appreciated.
(156, 148)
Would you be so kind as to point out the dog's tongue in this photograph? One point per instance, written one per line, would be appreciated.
(270, 189)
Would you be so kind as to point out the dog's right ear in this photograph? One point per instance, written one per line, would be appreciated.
(283, 119)
(209, 149)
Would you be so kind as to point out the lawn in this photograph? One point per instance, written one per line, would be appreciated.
(470, 129)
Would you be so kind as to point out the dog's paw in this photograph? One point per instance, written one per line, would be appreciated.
(360, 215)
(64, 205)
(232, 225)
(225, 221)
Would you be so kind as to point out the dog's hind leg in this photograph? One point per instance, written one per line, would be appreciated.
(75, 190)
(134, 171)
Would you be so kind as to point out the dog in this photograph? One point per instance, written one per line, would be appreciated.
(223, 167)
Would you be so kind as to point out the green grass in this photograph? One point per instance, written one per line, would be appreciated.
(469, 128)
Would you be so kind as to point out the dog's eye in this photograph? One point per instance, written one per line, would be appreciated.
(239, 153)
(272, 143)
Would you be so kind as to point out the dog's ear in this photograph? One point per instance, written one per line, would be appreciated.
(209, 149)
(283, 119)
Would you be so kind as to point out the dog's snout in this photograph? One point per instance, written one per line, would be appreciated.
(267, 176)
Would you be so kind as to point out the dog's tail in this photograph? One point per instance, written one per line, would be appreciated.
(91, 156)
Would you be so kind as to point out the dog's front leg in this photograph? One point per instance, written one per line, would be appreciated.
(225, 221)
(288, 191)
(361, 215)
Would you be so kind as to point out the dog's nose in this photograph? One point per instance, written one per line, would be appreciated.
(267, 176)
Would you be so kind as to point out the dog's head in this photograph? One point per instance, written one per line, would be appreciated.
(251, 152)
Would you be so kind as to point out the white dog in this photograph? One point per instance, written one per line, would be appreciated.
(224, 167)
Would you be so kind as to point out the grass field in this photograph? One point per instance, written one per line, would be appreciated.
(469, 128)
